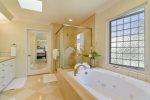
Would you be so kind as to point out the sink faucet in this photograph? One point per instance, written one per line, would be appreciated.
(77, 69)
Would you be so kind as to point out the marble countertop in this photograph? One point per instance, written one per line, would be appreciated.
(2, 59)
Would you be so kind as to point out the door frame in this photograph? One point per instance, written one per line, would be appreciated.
(48, 69)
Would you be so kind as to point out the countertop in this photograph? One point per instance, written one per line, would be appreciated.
(2, 59)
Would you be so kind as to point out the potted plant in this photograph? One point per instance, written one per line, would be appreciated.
(92, 55)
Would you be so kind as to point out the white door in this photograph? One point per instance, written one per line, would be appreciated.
(38, 62)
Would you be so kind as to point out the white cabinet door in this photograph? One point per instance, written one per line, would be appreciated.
(12, 69)
(3, 75)
(7, 73)
(1, 80)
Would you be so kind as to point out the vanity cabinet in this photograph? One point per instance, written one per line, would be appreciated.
(7, 72)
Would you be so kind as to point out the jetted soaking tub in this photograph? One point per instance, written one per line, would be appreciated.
(107, 85)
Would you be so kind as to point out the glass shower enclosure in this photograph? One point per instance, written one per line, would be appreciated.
(73, 42)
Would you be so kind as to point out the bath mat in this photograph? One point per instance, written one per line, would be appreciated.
(16, 84)
(49, 78)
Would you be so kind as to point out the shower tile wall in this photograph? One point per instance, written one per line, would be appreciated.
(70, 40)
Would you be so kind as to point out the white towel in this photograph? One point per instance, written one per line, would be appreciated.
(68, 53)
(13, 51)
(55, 53)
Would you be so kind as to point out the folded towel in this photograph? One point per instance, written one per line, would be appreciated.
(55, 53)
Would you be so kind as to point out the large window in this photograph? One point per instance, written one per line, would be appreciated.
(127, 40)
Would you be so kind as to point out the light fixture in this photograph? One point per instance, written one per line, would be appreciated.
(70, 20)
(34, 5)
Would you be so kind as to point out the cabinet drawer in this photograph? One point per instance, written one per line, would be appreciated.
(2, 85)
(2, 71)
(7, 73)
(3, 82)
(3, 78)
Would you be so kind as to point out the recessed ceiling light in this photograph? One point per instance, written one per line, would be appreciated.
(70, 20)
(34, 5)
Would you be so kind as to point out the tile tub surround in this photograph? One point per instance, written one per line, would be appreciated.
(138, 74)
(70, 88)
(34, 89)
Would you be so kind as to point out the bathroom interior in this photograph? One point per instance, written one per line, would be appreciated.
(74, 50)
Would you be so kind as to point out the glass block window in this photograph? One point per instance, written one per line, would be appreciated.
(127, 40)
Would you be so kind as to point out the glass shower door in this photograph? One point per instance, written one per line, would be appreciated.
(61, 42)
(76, 42)
(72, 42)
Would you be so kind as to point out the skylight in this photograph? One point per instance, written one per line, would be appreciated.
(34, 5)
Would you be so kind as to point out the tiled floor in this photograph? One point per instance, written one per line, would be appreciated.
(34, 89)
(39, 65)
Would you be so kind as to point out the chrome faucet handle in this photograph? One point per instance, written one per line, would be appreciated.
(77, 69)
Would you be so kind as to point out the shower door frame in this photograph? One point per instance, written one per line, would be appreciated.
(81, 27)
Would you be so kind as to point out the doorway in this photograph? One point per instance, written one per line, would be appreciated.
(37, 52)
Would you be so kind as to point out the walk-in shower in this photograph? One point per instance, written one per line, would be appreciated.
(72, 42)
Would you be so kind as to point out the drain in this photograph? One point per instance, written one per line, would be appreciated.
(103, 85)
(131, 97)
(85, 73)
(114, 86)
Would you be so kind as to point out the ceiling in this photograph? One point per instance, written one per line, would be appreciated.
(57, 11)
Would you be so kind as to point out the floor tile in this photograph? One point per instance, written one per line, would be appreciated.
(34, 89)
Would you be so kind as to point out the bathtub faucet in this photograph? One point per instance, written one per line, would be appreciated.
(77, 69)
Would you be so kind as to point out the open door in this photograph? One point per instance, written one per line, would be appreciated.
(37, 52)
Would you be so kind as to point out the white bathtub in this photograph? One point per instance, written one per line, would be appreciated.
(107, 85)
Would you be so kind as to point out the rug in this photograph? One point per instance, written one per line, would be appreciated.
(17, 83)
(49, 78)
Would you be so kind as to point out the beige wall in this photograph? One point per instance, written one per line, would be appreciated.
(90, 22)
(101, 28)
(16, 32)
